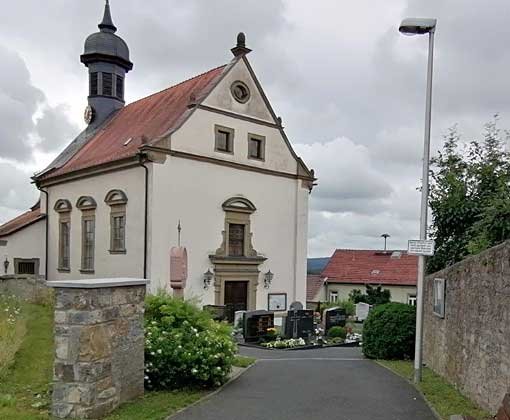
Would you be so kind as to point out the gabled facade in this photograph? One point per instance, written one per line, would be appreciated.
(208, 155)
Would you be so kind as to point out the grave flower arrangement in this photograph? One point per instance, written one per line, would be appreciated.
(183, 346)
(285, 344)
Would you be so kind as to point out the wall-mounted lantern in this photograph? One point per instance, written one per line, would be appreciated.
(268, 278)
(6, 264)
(208, 276)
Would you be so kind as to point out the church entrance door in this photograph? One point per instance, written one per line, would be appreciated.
(236, 298)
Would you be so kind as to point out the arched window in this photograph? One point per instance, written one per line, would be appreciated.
(117, 200)
(63, 208)
(87, 205)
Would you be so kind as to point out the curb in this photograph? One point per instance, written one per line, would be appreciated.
(436, 414)
(237, 372)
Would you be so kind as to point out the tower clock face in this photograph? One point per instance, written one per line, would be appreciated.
(88, 115)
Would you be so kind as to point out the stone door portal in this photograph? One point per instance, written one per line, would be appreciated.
(236, 298)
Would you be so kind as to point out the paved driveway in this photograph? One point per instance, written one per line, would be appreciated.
(319, 384)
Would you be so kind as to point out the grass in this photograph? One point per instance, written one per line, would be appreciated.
(12, 331)
(243, 361)
(445, 399)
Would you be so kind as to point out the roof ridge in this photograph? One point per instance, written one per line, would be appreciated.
(177, 84)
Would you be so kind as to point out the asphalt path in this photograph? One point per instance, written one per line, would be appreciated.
(334, 383)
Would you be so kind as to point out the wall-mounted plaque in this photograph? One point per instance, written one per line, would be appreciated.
(277, 302)
(439, 297)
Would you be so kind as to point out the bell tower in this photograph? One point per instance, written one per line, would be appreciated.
(107, 57)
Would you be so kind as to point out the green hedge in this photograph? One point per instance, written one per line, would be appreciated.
(184, 346)
(337, 332)
(389, 332)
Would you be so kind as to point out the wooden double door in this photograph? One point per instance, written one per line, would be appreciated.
(236, 298)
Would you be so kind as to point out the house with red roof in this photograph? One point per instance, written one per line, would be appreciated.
(204, 164)
(350, 269)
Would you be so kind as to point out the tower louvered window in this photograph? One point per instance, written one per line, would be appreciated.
(93, 84)
(120, 87)
(107, 84)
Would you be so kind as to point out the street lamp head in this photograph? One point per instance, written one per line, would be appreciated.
(417, 26)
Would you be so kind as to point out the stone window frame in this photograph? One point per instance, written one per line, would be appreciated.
(36, 262)
(239, 83)
(88, 206)
(331, 294)
(63, 207)
(231, 132)
(238, 211)
(117, 200)
(262, 140)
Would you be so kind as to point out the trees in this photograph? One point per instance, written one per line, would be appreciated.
(373, 295)
(469, 196)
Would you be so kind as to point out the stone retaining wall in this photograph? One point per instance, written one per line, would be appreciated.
(470, 347)
(99, 346)
(32, 289)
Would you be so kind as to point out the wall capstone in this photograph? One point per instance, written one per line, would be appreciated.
(99, 345)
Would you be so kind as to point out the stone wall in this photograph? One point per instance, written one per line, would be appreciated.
(32, 289)
(470, 347)
(99, 346)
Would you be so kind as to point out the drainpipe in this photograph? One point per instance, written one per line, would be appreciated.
(142, 160)
(47, 231)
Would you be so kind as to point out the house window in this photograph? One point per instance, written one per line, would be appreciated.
(236, 240)
(119, 87)
(64, 245)
(27, 267)
(107, 84)
(93, 84)
(117, 200)
(224, 139)
(256, 147)
(333, 296)
(87, 205)
(411, 300)
(63, 208)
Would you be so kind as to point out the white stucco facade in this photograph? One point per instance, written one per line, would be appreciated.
(27, 243)
(398, 293)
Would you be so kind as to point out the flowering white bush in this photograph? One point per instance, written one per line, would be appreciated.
(285, 344)
(184, 346)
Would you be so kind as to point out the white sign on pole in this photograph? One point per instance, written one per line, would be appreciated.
(420, 247)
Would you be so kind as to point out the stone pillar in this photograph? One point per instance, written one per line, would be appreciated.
(99, 345)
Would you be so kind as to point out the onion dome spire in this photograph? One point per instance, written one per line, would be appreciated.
(107, 24)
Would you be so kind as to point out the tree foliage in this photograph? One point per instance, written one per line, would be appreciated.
(469, 196)
(373, 295)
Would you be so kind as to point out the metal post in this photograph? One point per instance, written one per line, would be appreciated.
(423, 216)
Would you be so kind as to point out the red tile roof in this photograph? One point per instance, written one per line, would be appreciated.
(371, 267)
(314, 283)
(147, 118)
(21, 221)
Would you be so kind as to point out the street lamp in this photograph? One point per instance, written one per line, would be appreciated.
(385, 236)
(414, 26)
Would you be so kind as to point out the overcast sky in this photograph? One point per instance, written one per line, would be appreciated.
(349, 87)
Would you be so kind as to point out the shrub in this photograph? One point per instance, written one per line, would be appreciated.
(389, 330)
(347, 305)
(184, 346)
(337, 332)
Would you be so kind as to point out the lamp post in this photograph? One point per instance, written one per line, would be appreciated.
(385, 236)
(416, 26)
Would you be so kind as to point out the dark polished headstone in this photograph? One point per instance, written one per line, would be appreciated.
(334, 317)
(299, 324)
(256, 324)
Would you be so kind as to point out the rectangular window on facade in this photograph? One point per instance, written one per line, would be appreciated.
(93, 84)
(333, 296)
(256, 146)
(108, 84)
(236, 240)
(411, 300)
(118, 232)
(64, 245)
(224, 139)
(119, 87)
(27, 267)
(88, 238)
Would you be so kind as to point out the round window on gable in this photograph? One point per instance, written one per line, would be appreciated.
(240, 92)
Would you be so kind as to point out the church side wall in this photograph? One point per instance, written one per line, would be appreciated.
(132, 182)
(28, 242)
(193, 192)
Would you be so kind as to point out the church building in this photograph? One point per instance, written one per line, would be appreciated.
(197, 184)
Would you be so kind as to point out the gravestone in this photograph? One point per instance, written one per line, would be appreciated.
(299, 323)
(362, 310)
(334, 317)
(295, 306)
(218, 312)
(239, 320)
(256, 324)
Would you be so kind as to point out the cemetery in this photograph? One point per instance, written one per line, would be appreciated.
(298, 329)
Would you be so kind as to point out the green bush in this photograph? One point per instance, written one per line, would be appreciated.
(389, 330)
(184, 346)
(337, 332)
(347, 305)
